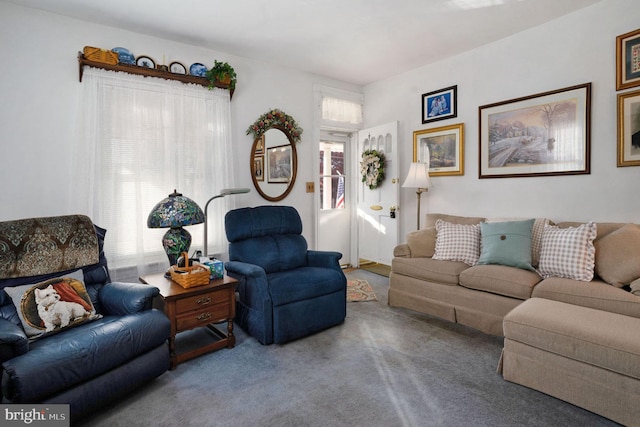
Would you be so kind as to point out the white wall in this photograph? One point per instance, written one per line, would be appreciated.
(574, 49)
(40, 93)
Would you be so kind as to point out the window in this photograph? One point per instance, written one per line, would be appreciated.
(341, 110)
(142, 138)
(332, 176)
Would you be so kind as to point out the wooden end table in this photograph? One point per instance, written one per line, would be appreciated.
(199, 306)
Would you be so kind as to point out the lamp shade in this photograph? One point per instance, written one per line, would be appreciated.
(175, 211)
(418, 176)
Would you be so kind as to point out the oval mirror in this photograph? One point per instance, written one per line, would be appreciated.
(274, 164)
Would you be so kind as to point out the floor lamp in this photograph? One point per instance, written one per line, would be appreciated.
(418, 178)
(224, 192)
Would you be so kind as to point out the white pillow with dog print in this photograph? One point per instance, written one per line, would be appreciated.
(52, 305)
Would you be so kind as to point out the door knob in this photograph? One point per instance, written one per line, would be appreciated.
(375, 207)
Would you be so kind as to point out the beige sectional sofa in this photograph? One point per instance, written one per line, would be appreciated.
(574, 339)
(481, 295)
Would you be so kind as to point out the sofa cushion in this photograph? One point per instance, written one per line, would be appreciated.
(500, 279)
(635, 287)
(432, 218)
(429, 269)
(506, 243)
(595, 337)
(568, 252)
(52, 305)
(304, 283)
(595, 294)
(422, 243)
(618, 256)
(457, 242)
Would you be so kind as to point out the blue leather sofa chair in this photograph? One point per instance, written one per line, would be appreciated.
(285, 291)
(88, 365)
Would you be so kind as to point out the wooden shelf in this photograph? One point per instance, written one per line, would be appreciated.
(147, 72)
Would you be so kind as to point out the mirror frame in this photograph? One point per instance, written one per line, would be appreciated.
(294, 171)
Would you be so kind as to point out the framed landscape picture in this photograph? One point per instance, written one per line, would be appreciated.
(440, 104)
(629, 129)
(279, 164)
(628, 60)
(538, 135)
(442, 148)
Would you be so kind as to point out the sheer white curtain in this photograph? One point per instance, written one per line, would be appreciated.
(142, 138)
(341, 110)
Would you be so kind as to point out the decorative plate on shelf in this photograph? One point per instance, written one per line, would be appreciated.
(145, 61)
(177, 68)
(197, 69)
(124, 55)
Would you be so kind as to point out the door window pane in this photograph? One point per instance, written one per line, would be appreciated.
(332, 183)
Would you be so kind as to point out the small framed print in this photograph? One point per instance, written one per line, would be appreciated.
(442, 148)
(628, 60)
(146, 62)
(260, 144)
(279, 164)
(629, 129)
(177, 68)
(440, 104)
(258, 168)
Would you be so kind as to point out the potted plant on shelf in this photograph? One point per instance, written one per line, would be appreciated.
(221, 72)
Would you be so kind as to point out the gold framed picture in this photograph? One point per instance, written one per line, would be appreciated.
(258, 167)
(442, 147)
(629, 129)
(628, 60)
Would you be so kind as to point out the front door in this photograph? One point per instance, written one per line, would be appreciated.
(377, 223)
(335, 197)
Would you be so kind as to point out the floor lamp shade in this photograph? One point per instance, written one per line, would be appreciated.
(418, 178)
(175, 212)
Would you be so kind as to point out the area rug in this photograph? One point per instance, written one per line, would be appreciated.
(360, 290)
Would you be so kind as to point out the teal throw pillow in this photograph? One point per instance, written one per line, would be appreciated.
(506, 243)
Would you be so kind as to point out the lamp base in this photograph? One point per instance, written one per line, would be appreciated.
(176, 241)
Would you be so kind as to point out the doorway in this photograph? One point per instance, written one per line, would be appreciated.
(377, 224)
(334, 188)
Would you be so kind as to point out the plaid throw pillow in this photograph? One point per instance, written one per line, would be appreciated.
(457, 242)
(568, 252)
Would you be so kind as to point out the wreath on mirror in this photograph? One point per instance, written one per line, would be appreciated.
(372, 168)
(278, 118)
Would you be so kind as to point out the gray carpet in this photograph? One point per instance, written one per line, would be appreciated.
(383, 367)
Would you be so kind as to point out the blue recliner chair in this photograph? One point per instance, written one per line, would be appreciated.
(285, 291)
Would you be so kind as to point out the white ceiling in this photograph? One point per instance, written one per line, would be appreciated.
(357, 41)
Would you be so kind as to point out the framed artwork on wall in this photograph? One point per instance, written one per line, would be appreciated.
(629, 129)
(258, 168)
(260, 144)
(440, 104)
(628, 60)
(539, 135)
(442, 147)
(279, 164)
